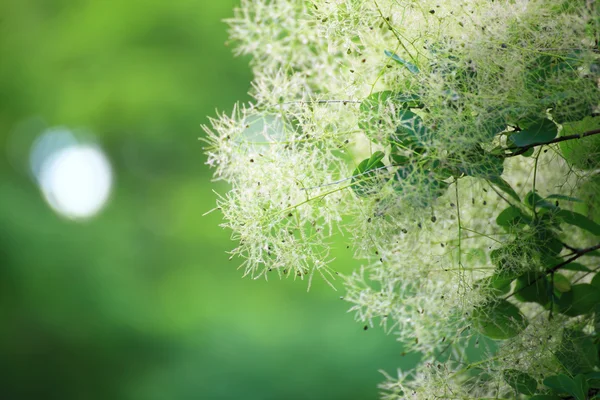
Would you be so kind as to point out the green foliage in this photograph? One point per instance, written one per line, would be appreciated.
(539, 131)
(561, 282)
(529, 261)
(522, 383)
(582, 153)
(410, 133)
(372, 109)
(575, 267)
(533, 287)
(410, 66)
(549, 68)
(589, 193)
(578, 220)
(512, 216)
(533, 200)
(498, 284)
(576, 387)
(596, 280)
(475, 161)
(365, 174)
(512, 258)
(593, 379)
(462, 125)
(562, 197)
(504, 186)
(375, 108)
(580, 300)
(578, 353)
(499, 320)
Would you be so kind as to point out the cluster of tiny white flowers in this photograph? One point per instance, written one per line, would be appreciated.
(290, 156)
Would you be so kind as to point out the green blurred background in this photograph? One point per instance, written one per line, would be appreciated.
(140, 300)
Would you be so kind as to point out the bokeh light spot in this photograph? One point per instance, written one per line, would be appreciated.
(75, 178)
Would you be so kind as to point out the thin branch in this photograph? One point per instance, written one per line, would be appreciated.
(498, 193)
(302, 102)
(577, 253)
(523, 149)
(391, 28)
(573, 249)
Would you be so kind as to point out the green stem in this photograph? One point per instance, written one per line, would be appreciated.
(535, 168)
(391, 28)
(460, 265)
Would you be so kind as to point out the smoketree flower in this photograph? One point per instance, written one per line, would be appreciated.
(426, 131)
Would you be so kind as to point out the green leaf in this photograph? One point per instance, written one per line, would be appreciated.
(439, 169)
(597, 319)
(532, 199)
(551, 246)
(499, 320)
(546, 241)
(374, 160)
(580, 300)
(512, 147)
(532, 287)
(575, 267)
(512, 216)
(399, 159)
(494, 126)
(540, 131)
(372, 109)
(579, 220)
(542, 69)
(596, 280)
(562, 197)
(379, 105)
(520, 381)
(504, 186)
(365, 173)
(583, 152)
(593, 379)
(430, 188)
(411, 67)
(561, 283)
(595, 253)
(498, 284)
(561, 383)
(501, 285)
(545, 397)
(410, 132)
(475, 161)
(578, 354)
(410, 100)
(581, 382)
(528, 152)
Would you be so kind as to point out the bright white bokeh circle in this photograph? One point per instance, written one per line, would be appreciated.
(75, 179)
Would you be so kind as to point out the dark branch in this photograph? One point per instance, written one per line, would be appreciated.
(576, 254)
(573, 249)
(521, 150)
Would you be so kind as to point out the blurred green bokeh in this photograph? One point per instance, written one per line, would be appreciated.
(140, 301)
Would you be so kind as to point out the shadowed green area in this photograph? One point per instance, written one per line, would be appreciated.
(140, 302)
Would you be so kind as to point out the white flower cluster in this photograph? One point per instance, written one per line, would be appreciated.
(292, 158)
